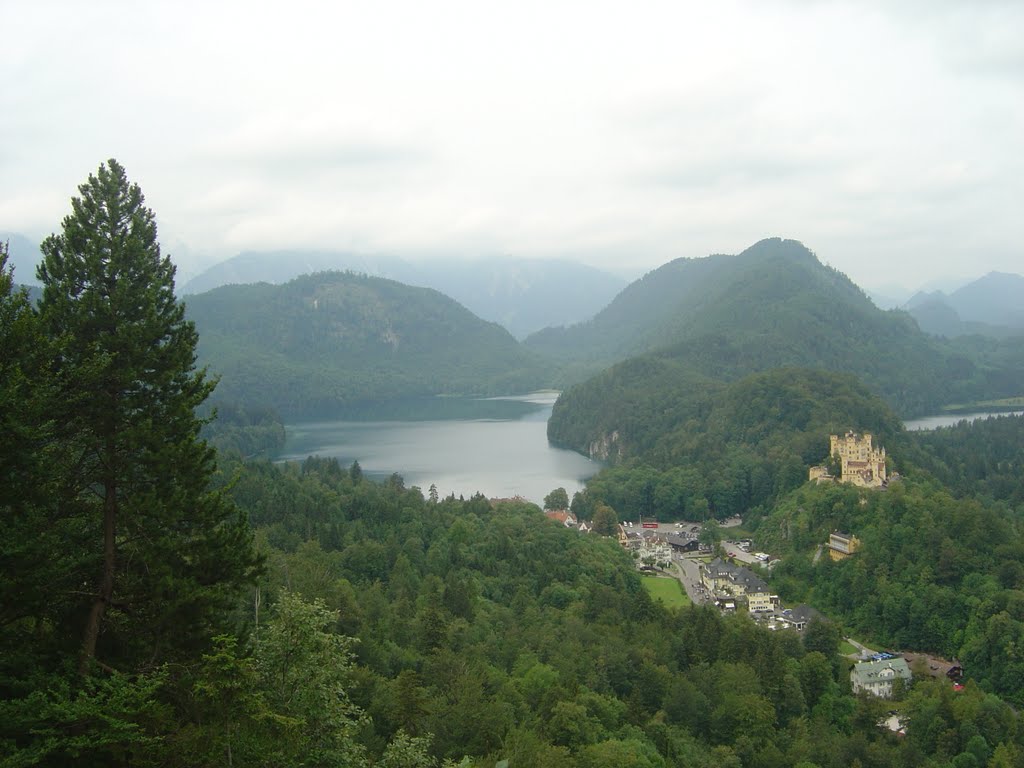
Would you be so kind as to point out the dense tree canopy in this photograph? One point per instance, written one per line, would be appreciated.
(338, 343)
(504, 636)
(557, 499)
(724, 450)
(935, 572)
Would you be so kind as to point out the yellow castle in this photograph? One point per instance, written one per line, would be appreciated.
(861, 464)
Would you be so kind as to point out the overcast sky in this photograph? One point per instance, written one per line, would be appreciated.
(887, 136)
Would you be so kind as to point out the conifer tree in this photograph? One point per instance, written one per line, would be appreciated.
(28, 579)
(165, 554)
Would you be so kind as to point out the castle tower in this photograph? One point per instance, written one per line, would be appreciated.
(860, 462)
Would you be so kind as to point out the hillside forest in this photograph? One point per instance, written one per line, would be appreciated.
(167, 602)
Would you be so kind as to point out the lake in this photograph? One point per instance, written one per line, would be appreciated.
(950, 419)
(497, 446)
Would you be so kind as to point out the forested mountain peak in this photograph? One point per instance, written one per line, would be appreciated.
(324, 342)
(521, 294)
(687, 298)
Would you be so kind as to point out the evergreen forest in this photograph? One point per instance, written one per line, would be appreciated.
(173, 600)
(335, 343)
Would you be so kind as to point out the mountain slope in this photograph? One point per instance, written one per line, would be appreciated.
(631, 323)
(329, 343)
(523, 295)
(689, 298)
(774, 305)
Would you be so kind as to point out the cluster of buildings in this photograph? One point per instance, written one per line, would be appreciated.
(729, 584)
(726, 582)
(651, 543)
(568, 519)
(858, 462)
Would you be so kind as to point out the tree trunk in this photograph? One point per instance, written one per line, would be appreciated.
(106, 591)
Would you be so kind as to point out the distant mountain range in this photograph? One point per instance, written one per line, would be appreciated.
(330, 343)
(992, 305)
(523, 295)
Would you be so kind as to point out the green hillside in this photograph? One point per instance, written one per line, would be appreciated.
(694, 451)
(635, 320)
(323, 344)
(936, 571)
(523, 295)
(691, 297)
(774, 305)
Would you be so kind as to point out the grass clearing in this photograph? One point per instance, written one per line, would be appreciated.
(847, 649)
(1006, 402)
(669, 591)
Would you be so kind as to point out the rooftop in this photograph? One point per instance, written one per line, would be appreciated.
(869, 672)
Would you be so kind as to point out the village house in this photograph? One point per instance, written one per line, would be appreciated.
(681, 544)
(877, 677)
(799, 617)
(842, 545)
(568, 519)
(563, 516)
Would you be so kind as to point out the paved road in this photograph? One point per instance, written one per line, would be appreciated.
(864, 651)
(689, 575)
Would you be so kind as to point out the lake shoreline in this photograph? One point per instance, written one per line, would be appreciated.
(950, 419)
(497, 446)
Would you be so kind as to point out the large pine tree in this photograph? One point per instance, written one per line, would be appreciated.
(164, 554)
(30, 585)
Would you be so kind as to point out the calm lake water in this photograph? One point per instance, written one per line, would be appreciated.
(498, 447)
(948, 420)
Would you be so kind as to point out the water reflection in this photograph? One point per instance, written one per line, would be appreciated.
(497, 446)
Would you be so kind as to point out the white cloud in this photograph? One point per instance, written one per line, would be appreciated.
(885, 136)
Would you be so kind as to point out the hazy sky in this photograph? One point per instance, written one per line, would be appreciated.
(887, 136)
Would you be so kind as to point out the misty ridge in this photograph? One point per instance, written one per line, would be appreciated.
(528, 295)
(310, 334)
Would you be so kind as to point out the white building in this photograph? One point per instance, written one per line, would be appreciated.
(877, 677)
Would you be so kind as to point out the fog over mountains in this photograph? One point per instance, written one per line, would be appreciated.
(523, 295)
(992, 305)
(526, 296)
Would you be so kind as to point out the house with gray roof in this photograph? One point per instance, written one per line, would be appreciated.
(877, 677)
